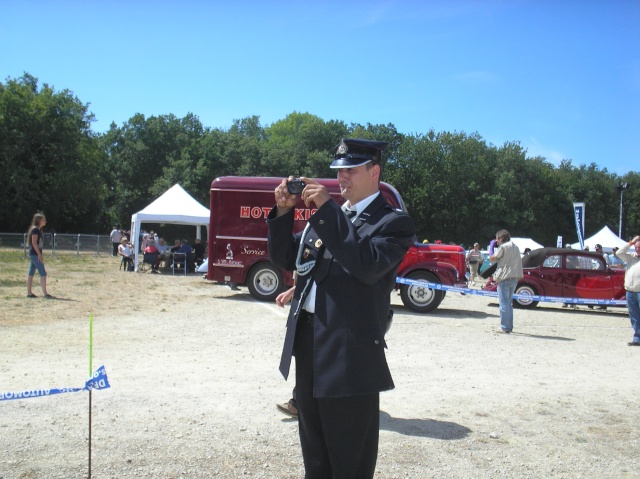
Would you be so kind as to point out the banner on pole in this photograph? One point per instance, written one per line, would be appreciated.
(559, 242)
(578, 213)
(98, 380)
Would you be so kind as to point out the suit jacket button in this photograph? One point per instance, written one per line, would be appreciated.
(377, 342)
(321, 222)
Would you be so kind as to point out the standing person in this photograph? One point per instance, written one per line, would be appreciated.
(474, 260)
(35, 241)
(614, 260)
(632, 285)
(116, 237)
(347, 260)
(507, 274)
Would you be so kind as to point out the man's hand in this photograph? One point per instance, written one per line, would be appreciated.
(285, 201)
(314, 193)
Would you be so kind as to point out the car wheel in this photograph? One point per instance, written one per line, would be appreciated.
(420, 298)
(525, 289)
(265, 282)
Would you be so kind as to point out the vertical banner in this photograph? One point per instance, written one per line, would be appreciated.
(559, 242)
(578, 212)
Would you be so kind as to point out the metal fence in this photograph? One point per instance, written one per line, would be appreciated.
(60, 243)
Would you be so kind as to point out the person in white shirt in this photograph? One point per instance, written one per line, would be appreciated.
(632, 285)
(115, 236)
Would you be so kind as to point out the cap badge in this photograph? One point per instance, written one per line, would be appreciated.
(342, 148)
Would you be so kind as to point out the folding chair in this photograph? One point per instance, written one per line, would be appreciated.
(180, 263)
(124, 264)
(149, 262)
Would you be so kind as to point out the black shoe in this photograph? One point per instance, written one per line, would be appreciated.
(633, 344)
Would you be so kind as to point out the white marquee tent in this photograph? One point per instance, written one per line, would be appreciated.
(605, 237)
(524, 243)
(175, 206)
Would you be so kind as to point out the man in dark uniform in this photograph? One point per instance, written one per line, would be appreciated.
(347, 260)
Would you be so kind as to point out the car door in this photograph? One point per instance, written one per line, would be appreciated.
(587, 277)
(551, 276)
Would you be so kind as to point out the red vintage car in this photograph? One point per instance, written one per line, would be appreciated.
(566, 273)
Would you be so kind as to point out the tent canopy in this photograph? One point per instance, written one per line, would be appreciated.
(524, 243)
(605, 237)
(175, 206)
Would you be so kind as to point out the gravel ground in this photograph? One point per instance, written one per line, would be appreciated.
(194, 382)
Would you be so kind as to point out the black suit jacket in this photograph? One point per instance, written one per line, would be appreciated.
(355, 273)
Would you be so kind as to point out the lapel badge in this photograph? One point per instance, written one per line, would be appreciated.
(318, 243)
(306, 253)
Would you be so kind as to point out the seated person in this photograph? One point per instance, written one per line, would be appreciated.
(198, 249)
(184, 247)
(176, 246)
(124, 250)
(151, 248)
(163, 249)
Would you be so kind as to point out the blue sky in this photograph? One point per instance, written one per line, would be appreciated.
(560, 77)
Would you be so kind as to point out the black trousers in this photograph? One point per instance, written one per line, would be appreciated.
(339, 436)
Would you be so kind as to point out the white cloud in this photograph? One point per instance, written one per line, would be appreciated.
(535, 148)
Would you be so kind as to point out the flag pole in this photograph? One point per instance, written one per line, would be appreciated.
(90, 374)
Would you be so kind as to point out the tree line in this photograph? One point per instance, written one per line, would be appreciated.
(457, 187)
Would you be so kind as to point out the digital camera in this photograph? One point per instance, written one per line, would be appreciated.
(295, 187)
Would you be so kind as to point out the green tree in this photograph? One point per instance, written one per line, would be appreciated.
(50, 158)
(302, 145)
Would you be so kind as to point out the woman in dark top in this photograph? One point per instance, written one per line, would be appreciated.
(35, 239)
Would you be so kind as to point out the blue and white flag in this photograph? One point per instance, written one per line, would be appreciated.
(98, 380)
(578, 213)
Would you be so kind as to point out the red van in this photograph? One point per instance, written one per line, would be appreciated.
(238, 243)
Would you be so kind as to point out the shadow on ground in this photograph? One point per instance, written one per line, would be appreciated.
(423, 427)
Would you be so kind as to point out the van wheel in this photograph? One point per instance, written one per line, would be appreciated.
(420, 298)
(265, 282)
(525, 289)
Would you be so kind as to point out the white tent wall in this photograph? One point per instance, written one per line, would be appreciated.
(524, 243)
(175, 206)
(605, 237)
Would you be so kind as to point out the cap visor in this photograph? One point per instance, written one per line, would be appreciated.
(348, 163)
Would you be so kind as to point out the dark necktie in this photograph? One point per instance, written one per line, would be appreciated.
(350, 214)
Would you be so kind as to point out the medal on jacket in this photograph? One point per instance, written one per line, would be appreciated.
(304, 252)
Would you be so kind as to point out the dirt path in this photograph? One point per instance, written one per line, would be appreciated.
(194, 381)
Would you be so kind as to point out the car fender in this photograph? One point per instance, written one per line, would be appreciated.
(445, 272)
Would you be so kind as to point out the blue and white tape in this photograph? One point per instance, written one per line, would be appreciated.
(98, 380)
(528, 297)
